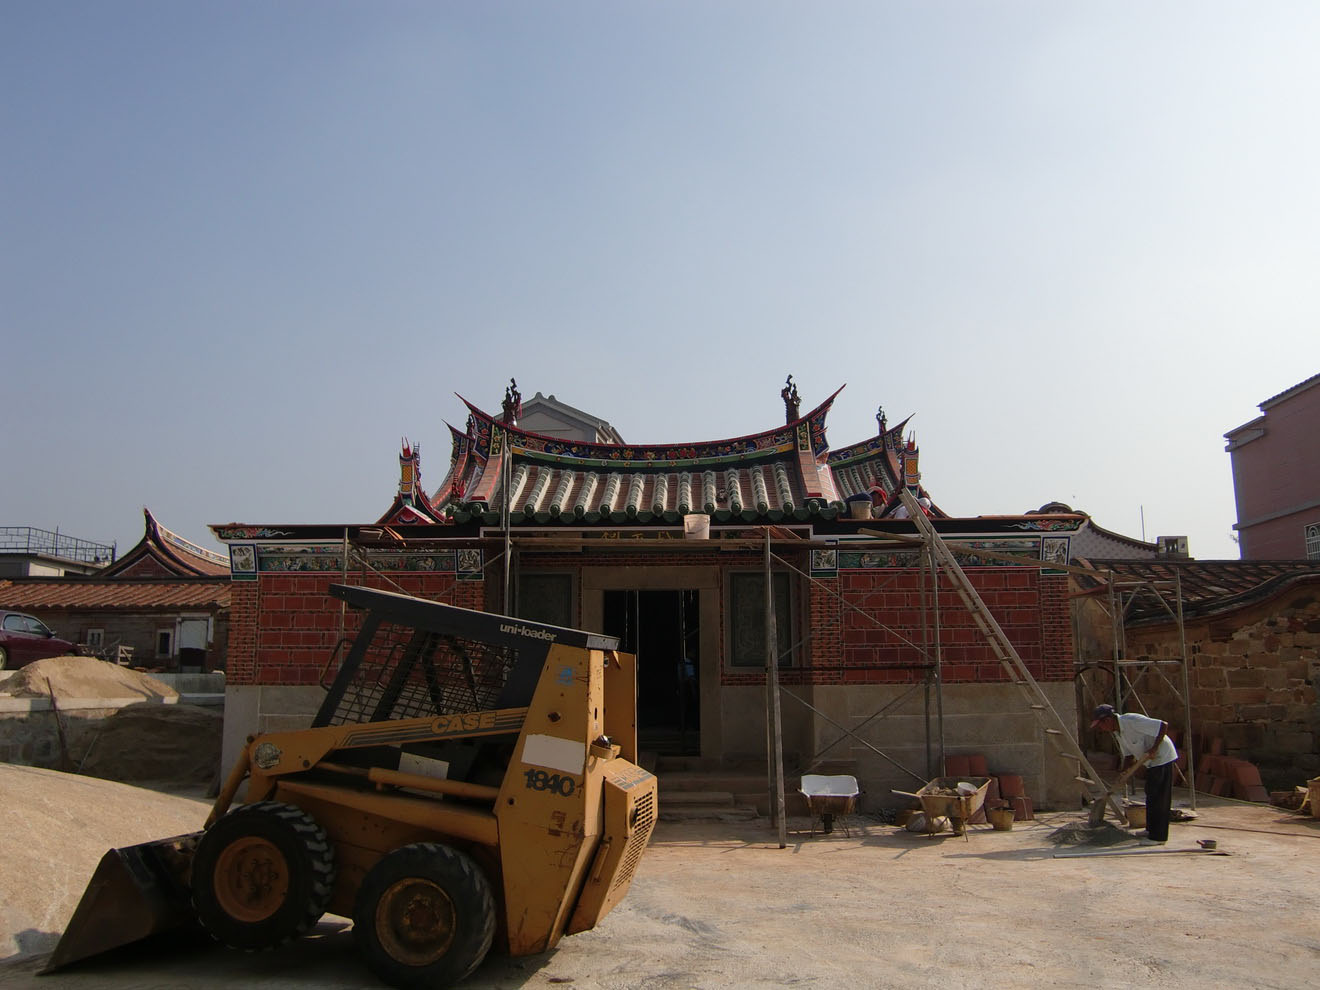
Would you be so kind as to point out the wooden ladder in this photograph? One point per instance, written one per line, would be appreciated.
(1061, 736)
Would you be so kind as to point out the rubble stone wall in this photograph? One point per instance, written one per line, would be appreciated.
(1253, 679)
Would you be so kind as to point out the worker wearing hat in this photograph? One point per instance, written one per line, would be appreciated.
(1147, 740)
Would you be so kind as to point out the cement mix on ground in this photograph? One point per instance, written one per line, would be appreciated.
(722, 906)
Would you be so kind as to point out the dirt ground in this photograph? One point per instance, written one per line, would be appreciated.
(722, 906)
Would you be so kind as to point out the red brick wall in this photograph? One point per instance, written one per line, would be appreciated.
(883, 635)
(284, 627)
(865, 625)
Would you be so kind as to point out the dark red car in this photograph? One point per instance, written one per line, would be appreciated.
(24, 638)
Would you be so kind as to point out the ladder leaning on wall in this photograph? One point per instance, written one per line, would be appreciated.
(1062, 737)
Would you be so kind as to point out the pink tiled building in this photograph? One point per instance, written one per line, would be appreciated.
(1276, 476)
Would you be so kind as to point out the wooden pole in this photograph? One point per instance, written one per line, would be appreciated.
(938, 669)
(507, 520)
(1189, 740)
(776, 731)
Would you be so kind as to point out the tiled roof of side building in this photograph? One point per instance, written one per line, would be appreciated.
(1208, 587)
(163, 553)
(119, 594)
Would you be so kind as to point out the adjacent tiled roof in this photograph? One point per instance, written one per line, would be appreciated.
(410, 503)
(1208, 587)
(162, 553)
(29, 594)
(875, 461)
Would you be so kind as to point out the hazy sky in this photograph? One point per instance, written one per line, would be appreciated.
(248, 246)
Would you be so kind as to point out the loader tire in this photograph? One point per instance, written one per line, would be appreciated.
(263, 874)
(425, 916)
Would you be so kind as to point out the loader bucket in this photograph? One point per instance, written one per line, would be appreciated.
(136, 891)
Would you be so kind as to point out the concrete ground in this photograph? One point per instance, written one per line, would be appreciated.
(722, 906)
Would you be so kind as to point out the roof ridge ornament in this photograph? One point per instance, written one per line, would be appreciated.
(789, 394)
(512, 403)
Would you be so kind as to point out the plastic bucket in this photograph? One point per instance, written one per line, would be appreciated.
(1136, 815)
(696, 526)
(1001, 819)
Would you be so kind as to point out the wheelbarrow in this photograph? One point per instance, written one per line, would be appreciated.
(944, 798)
(828, 796)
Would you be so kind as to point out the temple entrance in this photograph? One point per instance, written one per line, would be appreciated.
(661, 628)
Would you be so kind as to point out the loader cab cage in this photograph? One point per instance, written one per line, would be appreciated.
(415, 658)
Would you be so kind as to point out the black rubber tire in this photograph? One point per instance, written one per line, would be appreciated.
(425, 916)
(4, 658)
(263, 875)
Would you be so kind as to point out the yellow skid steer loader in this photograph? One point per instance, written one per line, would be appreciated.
(470, 780)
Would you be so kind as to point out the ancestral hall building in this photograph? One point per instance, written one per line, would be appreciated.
(665, 546)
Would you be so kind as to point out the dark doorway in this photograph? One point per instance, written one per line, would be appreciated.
(660, 627)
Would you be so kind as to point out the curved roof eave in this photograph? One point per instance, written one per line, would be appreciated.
(540, 446)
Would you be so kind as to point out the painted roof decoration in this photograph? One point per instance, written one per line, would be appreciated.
(410, 503)
(163, 553)
(782, 474)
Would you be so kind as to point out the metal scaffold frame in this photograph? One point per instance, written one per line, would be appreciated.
(1127, 676)
(1063, 737)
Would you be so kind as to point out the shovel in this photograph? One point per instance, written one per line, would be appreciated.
(1097, 813)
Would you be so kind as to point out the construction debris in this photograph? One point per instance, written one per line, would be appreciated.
(1083, 834)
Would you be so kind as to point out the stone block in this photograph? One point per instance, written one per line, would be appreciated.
(1243, 736)
(1245, 696)
(1245, 677)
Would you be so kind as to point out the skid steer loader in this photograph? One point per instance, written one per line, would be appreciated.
(470, 780)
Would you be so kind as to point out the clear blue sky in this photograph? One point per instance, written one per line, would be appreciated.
(248, 246)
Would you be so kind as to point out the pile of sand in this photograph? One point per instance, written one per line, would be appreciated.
(83, 677)
(57, 826)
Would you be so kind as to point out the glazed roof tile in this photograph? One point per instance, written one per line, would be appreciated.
(780, 473)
